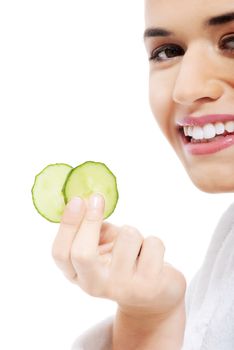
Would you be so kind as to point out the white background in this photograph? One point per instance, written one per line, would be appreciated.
(73, 80)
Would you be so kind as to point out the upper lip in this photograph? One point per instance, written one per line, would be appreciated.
(204, 119)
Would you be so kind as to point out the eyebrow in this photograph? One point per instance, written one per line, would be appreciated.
(213, 21)
(221, 19)
(154, 32)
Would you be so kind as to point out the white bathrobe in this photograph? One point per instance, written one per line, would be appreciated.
(209, 300)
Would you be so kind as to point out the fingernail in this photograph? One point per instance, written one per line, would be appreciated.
(95, 201)
(75, 204)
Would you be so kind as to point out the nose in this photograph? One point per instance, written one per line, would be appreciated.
(197, 79)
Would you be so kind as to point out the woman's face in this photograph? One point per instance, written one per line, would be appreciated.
(190, 45)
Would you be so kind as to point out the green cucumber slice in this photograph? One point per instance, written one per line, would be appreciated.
(47, 192)
(92, 177)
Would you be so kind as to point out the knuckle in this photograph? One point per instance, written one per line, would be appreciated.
(130, 232)
(91, 219)
(156, 241)
(59, 255)
(93, 215)
(81, 257)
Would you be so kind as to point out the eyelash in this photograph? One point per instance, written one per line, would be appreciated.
(179, 51)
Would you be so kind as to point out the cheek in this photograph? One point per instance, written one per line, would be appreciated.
(160, 99)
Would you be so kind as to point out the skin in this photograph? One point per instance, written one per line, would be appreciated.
(118, 263)
(199, 82)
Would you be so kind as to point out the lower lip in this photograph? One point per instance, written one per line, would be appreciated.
(210, 147)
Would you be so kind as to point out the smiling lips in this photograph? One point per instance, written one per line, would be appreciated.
(207, 134)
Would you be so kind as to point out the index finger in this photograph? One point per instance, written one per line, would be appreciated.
(70, 223)
(85, 245)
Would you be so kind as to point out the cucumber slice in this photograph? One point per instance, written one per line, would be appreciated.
(47, 193)
(92, 177)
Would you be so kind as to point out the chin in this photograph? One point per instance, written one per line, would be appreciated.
(212, 184)
(208, 188)
(211, 174)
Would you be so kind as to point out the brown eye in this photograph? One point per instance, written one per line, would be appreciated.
(166, 52)
(227, 43)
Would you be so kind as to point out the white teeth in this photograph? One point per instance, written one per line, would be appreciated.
(229, 126)
(190, 131)
(198, 133)
(209, 131)
(219, 127)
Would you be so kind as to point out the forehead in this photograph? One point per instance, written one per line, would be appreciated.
(166, 12)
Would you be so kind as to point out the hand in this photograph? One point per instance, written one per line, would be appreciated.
(113, 262)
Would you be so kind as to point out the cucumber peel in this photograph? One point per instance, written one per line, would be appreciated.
(58, 183)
